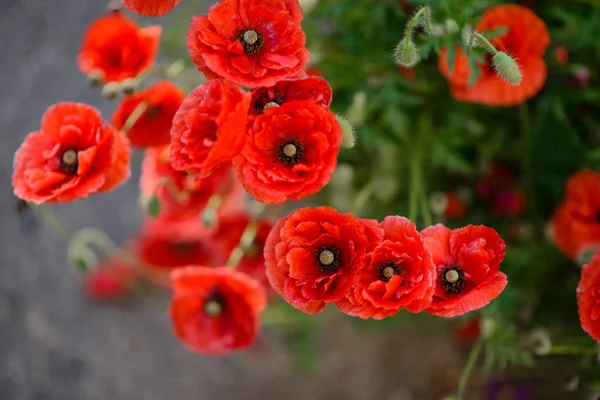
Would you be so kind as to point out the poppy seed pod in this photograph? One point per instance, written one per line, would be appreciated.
(406, 53)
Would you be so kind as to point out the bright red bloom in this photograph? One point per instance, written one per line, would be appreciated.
(455, 207)
(468, 332)
(397, 274)
(210, 127)
(526, 39)
(467, 262)
(291, 152)
(112, 280)
(158, 105)
(150, 8)
(227, 236)
(309, 88)
(249, 42)
(74, 154)
(117, 48)
(215, 310)
(576, 221)
(193, 193)
(588, 297)
(312, 255)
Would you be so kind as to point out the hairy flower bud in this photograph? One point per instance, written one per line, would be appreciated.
(348, 138)
(111, 90)
(406, 53)
(507, 68)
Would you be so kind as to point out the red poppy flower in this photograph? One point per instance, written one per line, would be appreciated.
(117, 48)
(467, 261)
(291, 152)
(151, 8)
(576, 221)
(215, 310)
(210, 127)
(455, 207)
(588, 297)
(312, 255)
(193, 193)
(112, 280)
(561, 54)
(308, 88)
(75, 154)
(526, 39)
(467, 332)
(154, 109)
(249, 42)
(227, 236)
(498, 190)
(397, 274)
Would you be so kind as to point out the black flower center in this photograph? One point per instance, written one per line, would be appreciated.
(329, 259)
(184, 248)
(153, 112)
(214, 306)
(389, 269)
(290, 152)
(268, 100)
(252, 40)
(452, 278)
(69, 161)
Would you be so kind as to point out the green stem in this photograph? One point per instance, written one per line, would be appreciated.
(362, 197)
(413, 189)
(53, 220)
(573, 350)
(462, 383)
(135, 115)
(412, 23)
(486, 42)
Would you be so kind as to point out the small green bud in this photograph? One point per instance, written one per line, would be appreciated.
(111, 90)
(129, 86)
(153, 206)
(95, 78)
(507, 68)
(406, 53)
(348, 138)
(450, 27)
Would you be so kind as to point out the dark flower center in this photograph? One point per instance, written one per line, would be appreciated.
(69, 162)
(290, 152)
(214, 306)
(184, 248)
(452, 278)
(153, 112)
(389, 269)
(268, 100)
(252, 40)
(329, 259)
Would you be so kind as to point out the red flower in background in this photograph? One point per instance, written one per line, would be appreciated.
(467, 262)
(312, 255)
(210, 127)
(498, 190)
(397, 274)
(526, 39)
(291, 152)
(193, 193)
(310, 88)
(588, 297)
(150, 8)
(155, 108)
(111, 280)
(215, 310)
(249, 42)
(576, 221)
(227, 236)
(74, 154)
(117, 48)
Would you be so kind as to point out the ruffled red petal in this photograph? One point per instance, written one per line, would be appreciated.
(150, 8)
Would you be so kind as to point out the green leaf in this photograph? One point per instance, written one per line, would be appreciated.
(153, 206)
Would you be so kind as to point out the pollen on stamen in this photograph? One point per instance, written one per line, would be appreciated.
(213, 308)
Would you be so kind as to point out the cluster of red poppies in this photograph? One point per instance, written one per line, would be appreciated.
(317, 256)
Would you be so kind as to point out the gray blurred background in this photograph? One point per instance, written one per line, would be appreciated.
(56, 344)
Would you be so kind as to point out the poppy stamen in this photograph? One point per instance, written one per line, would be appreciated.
(329, 259)
(214, 306)
(452, 278)
(252, 41)
(69, 161)
(290, 152)
(388, 270)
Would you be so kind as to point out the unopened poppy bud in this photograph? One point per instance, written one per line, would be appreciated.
(450, 27)
(438, 202)
(348, 138)
(95, 78)
(111, 90)
(507, 68)
(406, 53)
(129, 85)
(487, 327)
(114, 6)
(153, 206)
(538, 341)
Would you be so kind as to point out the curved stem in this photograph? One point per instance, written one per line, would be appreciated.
(414, 20)
(486, 42)
(53, 220)
(135, 115)
(413, 189)
(362, 197)
(462, 383)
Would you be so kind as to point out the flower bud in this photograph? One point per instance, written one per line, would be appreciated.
(450, 27)
(538, 342)
(356, 111)
(507, 68)
(114, 6)
(95, 78)
(129, 85)
(438, 202)
(348, 138)
(111, 90)
(153, 206)
(406, 53)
